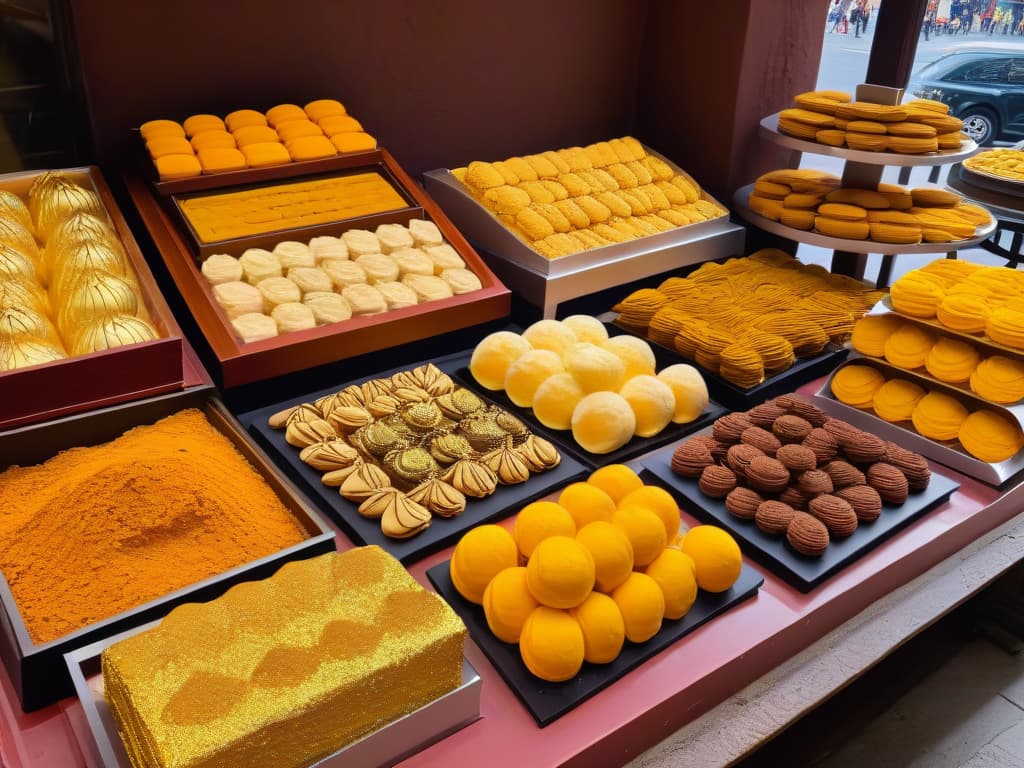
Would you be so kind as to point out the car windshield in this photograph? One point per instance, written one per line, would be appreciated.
(952, 63)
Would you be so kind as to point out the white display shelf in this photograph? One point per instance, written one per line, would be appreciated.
(769, 129)
(843, 244)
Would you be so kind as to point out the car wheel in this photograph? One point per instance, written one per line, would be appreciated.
(980, 124)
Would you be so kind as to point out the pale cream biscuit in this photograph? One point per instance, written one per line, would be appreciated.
(392, 237)
(221, 268)
(397, 295)
(327, 307)
(360, 242)
(428, 287)
(294, 254)
(258, 264)
(413, 261)
(278, 290)
(461, 280)
(444, 257)
(327, 247)
(237, 298)
(310, 279)
(378, 267)
(343, 273)
(254, 326)
(364, 300)
(293, 316)
(425, 233)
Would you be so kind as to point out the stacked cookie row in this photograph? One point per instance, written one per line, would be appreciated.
(831, 118)
(794, 471)
(298, 285)
(814, 200)
(749, 318)
(1007, 163)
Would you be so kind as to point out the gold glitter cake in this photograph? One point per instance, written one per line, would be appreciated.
(285, 671)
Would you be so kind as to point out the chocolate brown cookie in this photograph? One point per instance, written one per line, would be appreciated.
(911, 464)
(889, 481)
(690, 458)
(791, 429)
(800, 406)
(836, 513)
(807, 535)
(716, 481)
(739, 457)
(796, 457)
(814, 483)
(864, 499)
(865, 448)
(743, 503)
(765, 414)
(843, 473)
(840, 429)
(728, 428)
(796, 498)
(761, 439)
(767, 475)
(825, 446)
(774, 517)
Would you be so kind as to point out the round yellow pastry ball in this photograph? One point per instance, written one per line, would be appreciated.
(596, 369)
(716, 556)
(652, 401)
(659, 501)
(634, 352)
(602, 422)
(690, 390)
(609, 545)
(673, 571)
(507, 604)
(538, 521)
(604, 631)
(551, 645)
(645, 531)
(642, 605)
(616, 480)
(479, 556)
(525, 375)
(586, 503)
(493, 356)
(587, 328)
(550, 334)
(556, 399)
(560, 572)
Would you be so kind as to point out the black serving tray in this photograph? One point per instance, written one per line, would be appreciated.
(804, 573)
(506, 500)
(563, 438)
(803, 370)
(549, 701)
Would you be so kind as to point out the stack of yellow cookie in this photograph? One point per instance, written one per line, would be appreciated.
(749, 318)
(984, 433)
(814, 200)
(1007, 163)
(829, 117)
(966, 297)
(249, 139)
(575, 199)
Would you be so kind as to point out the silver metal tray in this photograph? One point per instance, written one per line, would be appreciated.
(769, 129)
(384, 747)
(844, 244)
(948, 453)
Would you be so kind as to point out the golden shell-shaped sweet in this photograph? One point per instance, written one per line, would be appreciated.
(433, 379)
(512, 426)
(329, 456)
(364, 482)
(422, 417)
(483, 433)
(16, 292)
(348, 418)
(62, 200)
(13, 207)
(25, 351)
(352, 395)
(400, 516)
(459, 403)
(24, 321)
(81, 258)
(336, 477)
(302, 412)
(42, 184)
(439, 497)
(471, 478)
(539, 454)
(377, 439)
(508, 465)
(450, 448)
(328, 403)
(95, 295)
(16, 234)
(375, 388)
(382, 405)
(411, 394)
(111, 332)
(411, 465)
(301, 434)
(15, 263)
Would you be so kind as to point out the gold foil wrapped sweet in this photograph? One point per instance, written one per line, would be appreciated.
(15, 292)
(343, 643)
(15, 263)
(79, 228)
(67, 266)
(111, 332)
(26, 351)
(24, 321)
(61, 199)
(16, 234)
(13, 207)
(94, 296)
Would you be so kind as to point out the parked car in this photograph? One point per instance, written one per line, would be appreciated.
(983, 87)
